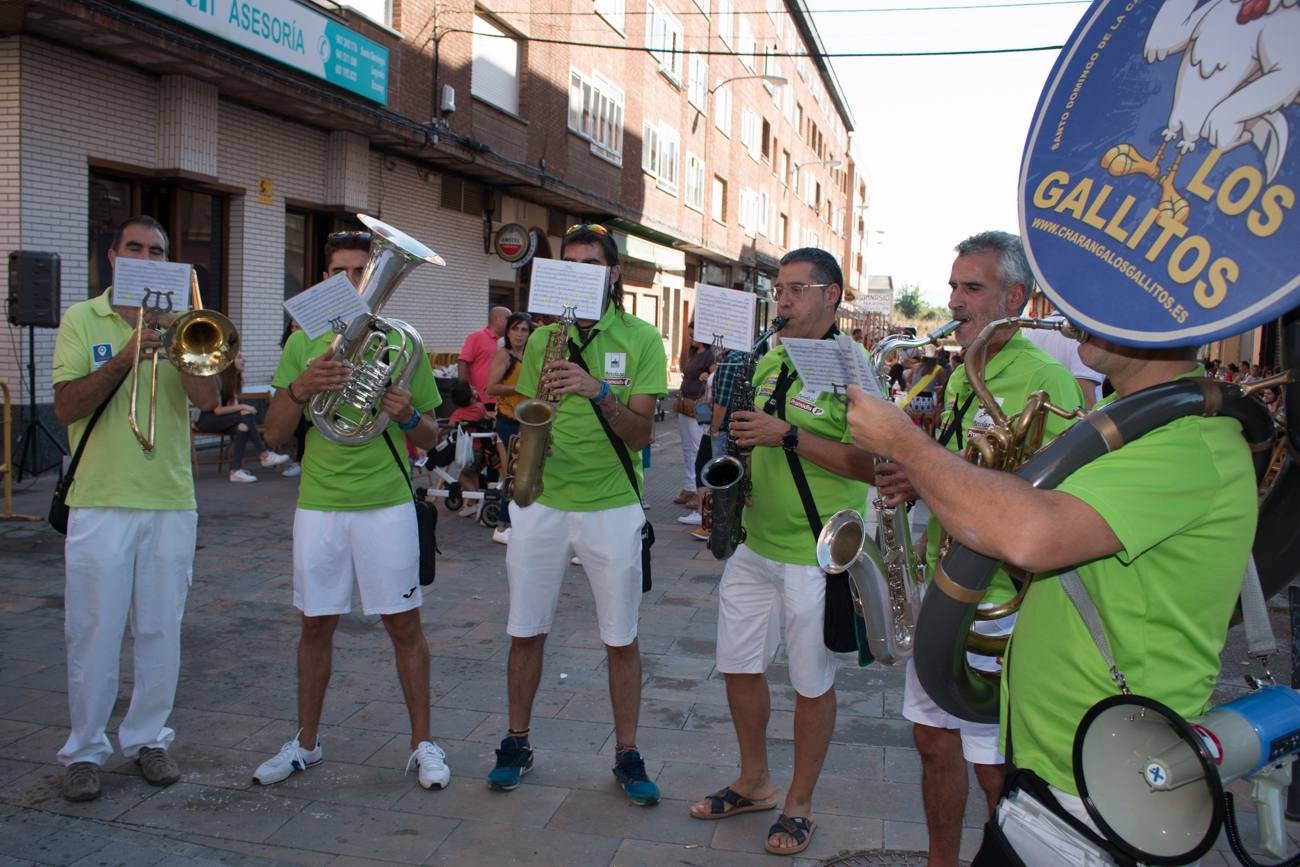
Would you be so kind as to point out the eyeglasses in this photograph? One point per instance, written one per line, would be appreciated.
(796, 290)
(347, 235)
(595, 228)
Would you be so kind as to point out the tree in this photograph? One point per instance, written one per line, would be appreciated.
(908, 302)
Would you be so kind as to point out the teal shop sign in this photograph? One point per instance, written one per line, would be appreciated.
(292, 34)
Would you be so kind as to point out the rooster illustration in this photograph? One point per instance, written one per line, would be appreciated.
(1240, 70)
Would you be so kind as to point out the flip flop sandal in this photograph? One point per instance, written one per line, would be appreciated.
(800, 830)
(728, 802)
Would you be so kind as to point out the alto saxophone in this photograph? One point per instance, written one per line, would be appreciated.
(535, 417)
(727, 476)
(883, 575)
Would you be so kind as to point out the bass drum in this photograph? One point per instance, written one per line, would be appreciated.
(1153, 241)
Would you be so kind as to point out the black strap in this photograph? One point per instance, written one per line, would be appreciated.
(775, 405)
(66, 483)
(575, 355)
(954, 426)
(401, 465)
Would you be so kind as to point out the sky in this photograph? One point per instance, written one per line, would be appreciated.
(940, 137)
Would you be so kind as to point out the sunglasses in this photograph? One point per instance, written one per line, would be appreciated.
(348, 235)
(595, 228)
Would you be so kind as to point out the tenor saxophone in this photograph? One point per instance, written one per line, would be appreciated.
(727, 476)
(535, 416)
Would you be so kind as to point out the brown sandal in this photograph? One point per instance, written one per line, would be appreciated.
(799, 829)
(727, 802)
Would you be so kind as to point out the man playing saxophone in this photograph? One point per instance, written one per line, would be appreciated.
(990, 280)
(355, 523)
(772, 583)
(607, 384)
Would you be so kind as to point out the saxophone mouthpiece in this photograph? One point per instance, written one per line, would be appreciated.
(778, 323)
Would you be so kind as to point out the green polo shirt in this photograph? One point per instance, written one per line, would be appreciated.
(1018, 370)
(339, 478)
(776, 525)
(583, 472)
(1181, 500)
(115, 472)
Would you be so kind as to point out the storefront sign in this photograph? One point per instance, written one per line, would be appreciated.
(291, 34)
(878, 301)
(512, 242)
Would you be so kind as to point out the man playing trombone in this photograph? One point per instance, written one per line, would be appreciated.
(355, 524)
(131, 526)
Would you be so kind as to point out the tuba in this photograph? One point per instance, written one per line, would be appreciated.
(379, 352)
(883, 575)
(199, 342)
(528, 447)
(727, 476)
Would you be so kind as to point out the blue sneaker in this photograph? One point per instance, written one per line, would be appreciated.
(513, 761)
(629, 768)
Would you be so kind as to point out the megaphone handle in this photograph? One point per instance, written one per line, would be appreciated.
(1267, 789)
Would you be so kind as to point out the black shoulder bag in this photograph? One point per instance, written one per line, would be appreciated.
(58, 516)
(647, 531)
(426, 519)
(842, 629)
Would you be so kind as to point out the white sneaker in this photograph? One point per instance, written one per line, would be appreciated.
(432, 763)
(242, 476)
(468, 510)
(274, 459)
(291, 757)
(575, 560)
(693, 519)
(292, 471)
(501, 535)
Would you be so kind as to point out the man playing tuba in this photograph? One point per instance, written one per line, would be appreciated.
(990, 280)
(607, 383)
(355, 523)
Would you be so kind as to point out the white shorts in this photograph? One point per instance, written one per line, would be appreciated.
(979, 741)
(756, 598)
(378, 549)
(543, 539)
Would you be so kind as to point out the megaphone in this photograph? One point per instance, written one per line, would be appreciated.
(1153, 781)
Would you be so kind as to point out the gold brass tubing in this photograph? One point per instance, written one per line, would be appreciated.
(953, 590)
(1263, 445)
(1284, 378)
(1107, 428)
(987, 645)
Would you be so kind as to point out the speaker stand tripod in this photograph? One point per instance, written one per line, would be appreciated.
(34, 423)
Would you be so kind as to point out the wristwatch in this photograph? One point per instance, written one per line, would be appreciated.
(412, 421)
(790, 441)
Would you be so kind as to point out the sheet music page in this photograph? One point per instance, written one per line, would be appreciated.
(823, 365)
(328, 306)
(557, 284)
(725, 312)
(131, 277)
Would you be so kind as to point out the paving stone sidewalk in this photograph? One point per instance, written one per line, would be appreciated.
(237, 703)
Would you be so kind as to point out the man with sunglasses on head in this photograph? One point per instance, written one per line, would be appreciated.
(590, 505)
(355, 523)
(803, 462)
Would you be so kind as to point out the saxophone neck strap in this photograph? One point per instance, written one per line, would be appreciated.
(575, 355)
(1078, 594)
(958, 417)
(66, 482)
(775, 405)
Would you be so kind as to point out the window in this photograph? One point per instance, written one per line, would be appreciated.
(664, 39)
(745, 46)
(659, 150)
(782, 238)
(773, 8)
(766, 136)
(724, 21)
(494, 73)
(750, 216)
(596, 113)
(719, 199)
(699, 83)
(750, 132)
(722, 110)
(379, 11)
(694, 182)
(764, 214)
(612, 12)
(783, 168)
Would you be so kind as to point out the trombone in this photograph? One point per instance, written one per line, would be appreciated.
(199, 342)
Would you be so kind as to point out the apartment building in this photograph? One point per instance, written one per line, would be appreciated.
(712, 136)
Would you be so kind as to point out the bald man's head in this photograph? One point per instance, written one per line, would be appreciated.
(497, 317)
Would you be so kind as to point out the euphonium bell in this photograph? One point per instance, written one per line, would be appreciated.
(380, 352)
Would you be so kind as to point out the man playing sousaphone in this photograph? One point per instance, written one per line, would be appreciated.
(606, 377)
(355, 524)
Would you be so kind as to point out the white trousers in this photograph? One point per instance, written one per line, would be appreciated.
(124, 564)
(690, 431)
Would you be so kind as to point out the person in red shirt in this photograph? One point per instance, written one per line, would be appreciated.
(468, 409)
(476, 355)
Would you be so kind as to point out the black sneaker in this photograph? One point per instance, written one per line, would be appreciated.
(629, 769)
(513, 761)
